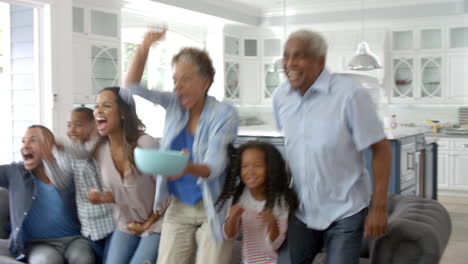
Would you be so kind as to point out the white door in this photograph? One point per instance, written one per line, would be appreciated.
(457, 75)
(460, 171)
(442, 170)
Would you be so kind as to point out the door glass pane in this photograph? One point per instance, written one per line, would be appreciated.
(78, 19)
(103, 23)
(272, 47)
(231, 45)
(105, 67)
(250, 47)
(459, 37)
(431, 39)
(231, 86)
(430, 77)
(403, 77)
(403, 40)
(272, 80)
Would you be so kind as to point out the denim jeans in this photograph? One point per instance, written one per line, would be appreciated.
(129, 249)
(342, 240)
(101, 248)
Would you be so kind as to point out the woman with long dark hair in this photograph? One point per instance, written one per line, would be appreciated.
(138, 227)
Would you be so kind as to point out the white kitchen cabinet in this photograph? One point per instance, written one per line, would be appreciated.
(418, 79)
(417, 68)
(429, 65)
(248, 64)
(97, 65)
(457, 76)
(105, 65)
(96, 51)
(82, 93)
(250, 82)
(452, 164)
(460, 170)
(442, 169)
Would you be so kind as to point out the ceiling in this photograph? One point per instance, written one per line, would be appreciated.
(275, 7)
(271, 12)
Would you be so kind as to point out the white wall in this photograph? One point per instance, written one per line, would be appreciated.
(61, 62)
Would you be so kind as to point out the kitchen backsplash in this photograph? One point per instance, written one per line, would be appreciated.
(407, 114)
(255, 115)
(262, 115)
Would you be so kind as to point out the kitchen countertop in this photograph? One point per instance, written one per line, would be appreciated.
(257, 131)
(268, 131)
(445, 135)
(398, 134)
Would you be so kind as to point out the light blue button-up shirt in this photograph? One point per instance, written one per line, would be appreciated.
(325, 132)
(216, 128)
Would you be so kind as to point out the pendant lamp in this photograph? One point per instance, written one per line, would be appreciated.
(278, 63)
(364, 59)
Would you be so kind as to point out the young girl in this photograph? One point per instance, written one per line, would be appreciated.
(258, 183)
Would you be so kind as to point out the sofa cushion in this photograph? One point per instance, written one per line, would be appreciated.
(5, 256)
(4, 213)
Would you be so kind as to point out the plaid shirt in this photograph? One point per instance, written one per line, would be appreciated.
(72, 167)
(216, 128)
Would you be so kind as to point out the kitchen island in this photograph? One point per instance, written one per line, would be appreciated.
(414, 163)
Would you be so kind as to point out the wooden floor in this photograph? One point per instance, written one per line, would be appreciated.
(457, 249)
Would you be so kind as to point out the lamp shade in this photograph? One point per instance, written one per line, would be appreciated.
(364, 59)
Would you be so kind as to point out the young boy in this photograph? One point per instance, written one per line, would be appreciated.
(73, 165)
(45, 227)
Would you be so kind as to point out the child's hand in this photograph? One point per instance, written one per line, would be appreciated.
(94, 196)
(47, 143)
(136, 228)
(236, 211)
(267, 216)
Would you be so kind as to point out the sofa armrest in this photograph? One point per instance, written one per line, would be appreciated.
(418, 232)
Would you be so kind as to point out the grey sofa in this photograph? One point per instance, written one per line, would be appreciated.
(5, 256)
(418, 232)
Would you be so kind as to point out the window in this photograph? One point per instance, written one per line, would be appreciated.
(21, 79)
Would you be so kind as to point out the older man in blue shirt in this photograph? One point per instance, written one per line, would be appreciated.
(45, 226)
(327, 122)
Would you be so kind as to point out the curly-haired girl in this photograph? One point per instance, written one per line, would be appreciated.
(261, 210)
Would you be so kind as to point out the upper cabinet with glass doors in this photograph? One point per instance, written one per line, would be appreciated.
(96, 51)
(249, 75)
(417, 66)
(96, 22)
(429, 65)
(272, 76)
